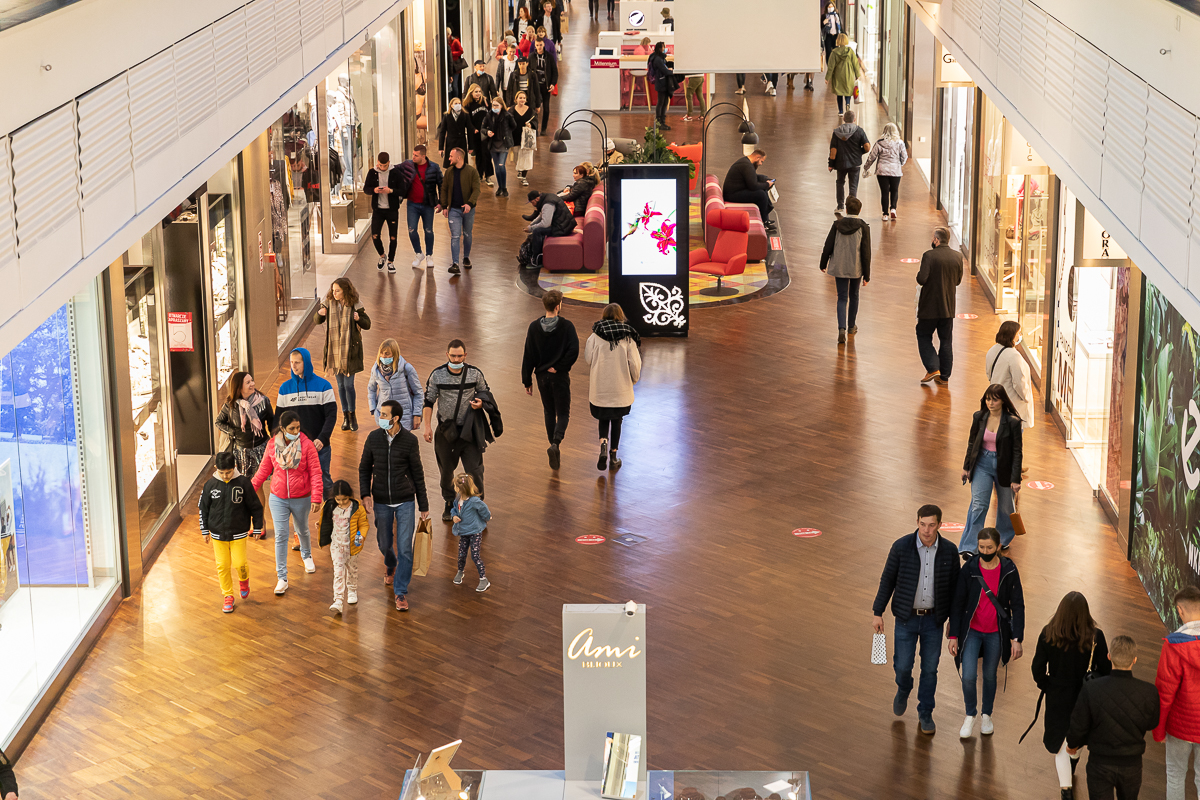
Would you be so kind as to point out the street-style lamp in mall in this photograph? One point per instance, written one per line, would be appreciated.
(748, 137)
(562, 135)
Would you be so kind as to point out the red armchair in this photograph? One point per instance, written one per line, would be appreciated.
(729, 251)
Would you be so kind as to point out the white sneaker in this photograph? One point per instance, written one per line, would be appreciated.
(892, 213)
(351, 597)
(391, 268)
(428, 262)
(965, 731)
(382, 261)
(886, 217)
(336, 607)
(310, 566)
(985, 726)
(417, 259)
(490, 182)
(771, 89)
(741, 90)
(281, 587)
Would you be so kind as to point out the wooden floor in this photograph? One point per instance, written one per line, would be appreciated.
(759, 641)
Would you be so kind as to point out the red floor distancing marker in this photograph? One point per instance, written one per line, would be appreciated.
(967, 316)
(1040, 485)
(952, 527)
(910, 261)
(806, 533)
(589, 538)
(776, 244)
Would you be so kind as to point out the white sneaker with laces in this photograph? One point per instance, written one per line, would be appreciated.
(428, 262)
(382, 261)
(336, 607)
(351, 597)
(281, 587)
(391, 268)
(965, 731)
(310, 566)
(417, 259)
(985, 725)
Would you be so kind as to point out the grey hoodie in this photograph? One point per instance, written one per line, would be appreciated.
(848, 140)
(847, 252)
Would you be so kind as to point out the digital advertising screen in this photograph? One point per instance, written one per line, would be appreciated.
(648, 222)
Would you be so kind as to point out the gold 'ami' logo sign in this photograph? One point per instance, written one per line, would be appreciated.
(599, 656)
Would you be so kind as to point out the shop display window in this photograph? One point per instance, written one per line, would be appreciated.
(412, 21)
(296, 237)
(223, 261)
(958, 131)
(58, 532)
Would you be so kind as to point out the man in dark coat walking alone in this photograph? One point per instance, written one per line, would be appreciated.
(920, 578)
(940, 274)
(551, 348)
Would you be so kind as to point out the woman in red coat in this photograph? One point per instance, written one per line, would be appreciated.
(291, 464)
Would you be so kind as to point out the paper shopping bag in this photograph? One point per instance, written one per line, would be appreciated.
(422, 548)
(879, 648)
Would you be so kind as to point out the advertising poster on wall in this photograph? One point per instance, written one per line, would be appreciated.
(1166, 506)
(9, 582)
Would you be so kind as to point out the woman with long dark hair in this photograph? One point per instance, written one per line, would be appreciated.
(1068, 648)
(993, 461)
(247, 419)
(344, 322)
(664, 82)
(616, 365)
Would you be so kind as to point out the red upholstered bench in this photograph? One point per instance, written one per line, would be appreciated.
(714, 200)
(585, 248)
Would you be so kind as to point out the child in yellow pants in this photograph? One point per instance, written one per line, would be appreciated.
(229, 506)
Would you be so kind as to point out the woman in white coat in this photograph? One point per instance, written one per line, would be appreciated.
(616, 364)
(1007, 367)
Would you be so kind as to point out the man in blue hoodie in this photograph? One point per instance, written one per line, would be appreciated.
(312, 398)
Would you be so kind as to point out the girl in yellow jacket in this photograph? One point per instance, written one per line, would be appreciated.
(344, 528)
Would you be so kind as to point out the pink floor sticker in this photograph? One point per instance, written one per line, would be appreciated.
(589, 538)
(1040, 485)
(806, 533)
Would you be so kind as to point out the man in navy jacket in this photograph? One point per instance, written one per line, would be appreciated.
(919, 577)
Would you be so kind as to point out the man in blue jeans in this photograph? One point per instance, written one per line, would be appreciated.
(920, 577)
(390, 478)
(423, 203)
(460, 194)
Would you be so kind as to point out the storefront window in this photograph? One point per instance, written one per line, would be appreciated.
(417, 72)
(868, 35)
(991, 232)
(58, 532)
(341, 125)
(223, 250)
(144, 324)
(958, 131)
(295, 184)
(895, 46)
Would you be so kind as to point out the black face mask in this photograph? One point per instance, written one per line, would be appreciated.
(988, 559)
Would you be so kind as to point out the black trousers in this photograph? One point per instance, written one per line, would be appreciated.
(613, 425)
(664, 100)
(1103, 779)
(594, 7)
(555, 389)
(483, 160)
(545, 94)
(392, 217)
(889, 191)
(449, 454)
(757, 196)
(842, 174)
(942, 359)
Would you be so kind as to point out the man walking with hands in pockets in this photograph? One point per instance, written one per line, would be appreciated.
(919, 577)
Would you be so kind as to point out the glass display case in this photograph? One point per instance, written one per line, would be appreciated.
(224, 247)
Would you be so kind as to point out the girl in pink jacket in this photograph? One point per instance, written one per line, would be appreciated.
(290, 461)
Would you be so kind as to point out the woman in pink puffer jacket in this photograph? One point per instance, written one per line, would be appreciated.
(290, 461)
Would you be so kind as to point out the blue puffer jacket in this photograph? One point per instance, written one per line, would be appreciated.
(474, 515)
(402, 385)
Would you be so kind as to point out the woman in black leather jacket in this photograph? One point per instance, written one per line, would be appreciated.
(993, 460)
(579, 192)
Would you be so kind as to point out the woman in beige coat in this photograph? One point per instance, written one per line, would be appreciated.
(616, 364)
(1009, 368)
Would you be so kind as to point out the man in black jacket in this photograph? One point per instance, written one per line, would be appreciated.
(551, 217)
(485, 82)
(386, 186)
(1111, 718)
(940, 274)
(919, 577)
(743, 184)
(551, 348)
(389, 477)
(846, 148)
(546, 69)
(229, 507)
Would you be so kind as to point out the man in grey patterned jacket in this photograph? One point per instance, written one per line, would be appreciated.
(451, 388)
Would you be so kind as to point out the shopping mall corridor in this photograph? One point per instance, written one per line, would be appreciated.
(759, 641)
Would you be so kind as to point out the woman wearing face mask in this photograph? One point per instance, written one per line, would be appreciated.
(247, 419)
(1009, 368)
(393, 378)
(454, 131)
(345, 320)
(291, 465)
(476, 107)
(831, 26)
(993, 461)
(523, 116)
(498, 132)
(987, 621)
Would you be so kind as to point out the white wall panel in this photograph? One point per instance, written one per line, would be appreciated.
(1058, 87)
(334, 30)
(772, 47)
(1008, 66)
(155, 122)
(229, 40)
(260, 38)
(989, 36)
(1124, 145)
(312, 33)
(1033, 63)
(965, 18)
(195, 79)
(1089, 94)
(46, 198)
(105, 161)
(10, 273)
(1167, 200)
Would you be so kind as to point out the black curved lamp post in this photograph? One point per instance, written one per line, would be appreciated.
(748, 137)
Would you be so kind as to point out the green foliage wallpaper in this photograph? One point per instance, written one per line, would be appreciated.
(1166, 512)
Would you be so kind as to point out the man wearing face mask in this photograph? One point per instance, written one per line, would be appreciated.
(484, 81)
(451, 390)
(940, 274)
(390, 479)
(453, 131)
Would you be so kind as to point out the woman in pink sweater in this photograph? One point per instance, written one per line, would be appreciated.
(290, 461)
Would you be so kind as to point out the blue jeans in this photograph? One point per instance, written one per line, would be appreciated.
(346, 393)
(420, 211)
(847, 290)
(498, 160)
(460, 228)
(982, 482)
(980, 645)
(399, 522)
(298, 508)
(942, 359)
(928, 633)
(323, 457)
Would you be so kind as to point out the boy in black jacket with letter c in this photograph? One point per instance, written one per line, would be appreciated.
(229, 507)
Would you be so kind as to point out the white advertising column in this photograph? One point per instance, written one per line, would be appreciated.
(604, 684)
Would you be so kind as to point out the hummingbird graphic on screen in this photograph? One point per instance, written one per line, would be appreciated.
(642, 220)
